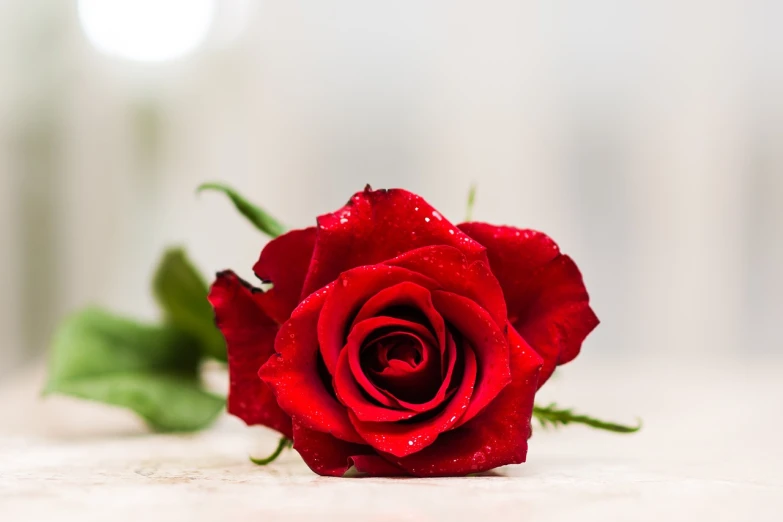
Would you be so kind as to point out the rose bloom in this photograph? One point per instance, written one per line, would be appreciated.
(398, 343)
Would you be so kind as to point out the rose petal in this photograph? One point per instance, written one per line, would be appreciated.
(325, 454)
(559, 316)
(491, 345)
(456, 273)
(430, 366)
(352, 356)
(284, 262)
(294, 376)
(377, 466)
(411, 295)
(401, 440)
(329, 456)
(348, 294)
(352, 395)
(250, 336)
(546, 297)
(384, 346)
(351, 389)
(383, 395)
(496, 437)
(376, 225)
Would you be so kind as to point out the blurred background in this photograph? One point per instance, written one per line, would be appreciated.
(645, 137)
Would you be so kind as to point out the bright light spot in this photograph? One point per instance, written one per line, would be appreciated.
(146, 30)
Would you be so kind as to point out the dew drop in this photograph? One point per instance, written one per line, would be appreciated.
(479, 457)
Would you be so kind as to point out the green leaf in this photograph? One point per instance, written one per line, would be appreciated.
(259, 217)
(167, 403)
(554, 417)
(471, 202)
(151, 370)
(284, 443)
(182, 293)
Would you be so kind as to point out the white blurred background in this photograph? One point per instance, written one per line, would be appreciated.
(645, 137)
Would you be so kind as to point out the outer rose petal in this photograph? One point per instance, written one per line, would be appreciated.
(376, 225)
(295, 378)
(284, 262)
(377, 466)
(250, 336)
(496, 437)
(546, 297)
(323, 453)
(332, 457)
(559, 316)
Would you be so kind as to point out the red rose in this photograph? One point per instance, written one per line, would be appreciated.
(399, 343)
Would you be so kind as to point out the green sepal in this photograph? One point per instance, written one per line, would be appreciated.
(258, 216)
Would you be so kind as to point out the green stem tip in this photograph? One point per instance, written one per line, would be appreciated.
(284, 443)
(471, 202)
(260, 218)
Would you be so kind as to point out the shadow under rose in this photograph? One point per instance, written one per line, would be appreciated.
(352, 473)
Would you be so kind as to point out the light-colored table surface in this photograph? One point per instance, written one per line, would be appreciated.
(710, 450)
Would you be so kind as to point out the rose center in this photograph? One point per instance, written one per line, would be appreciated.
(401, 352)
(403, 364)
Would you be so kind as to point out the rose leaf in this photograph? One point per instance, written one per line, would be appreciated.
(181, 292)
(552, 416)
(151, 370)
